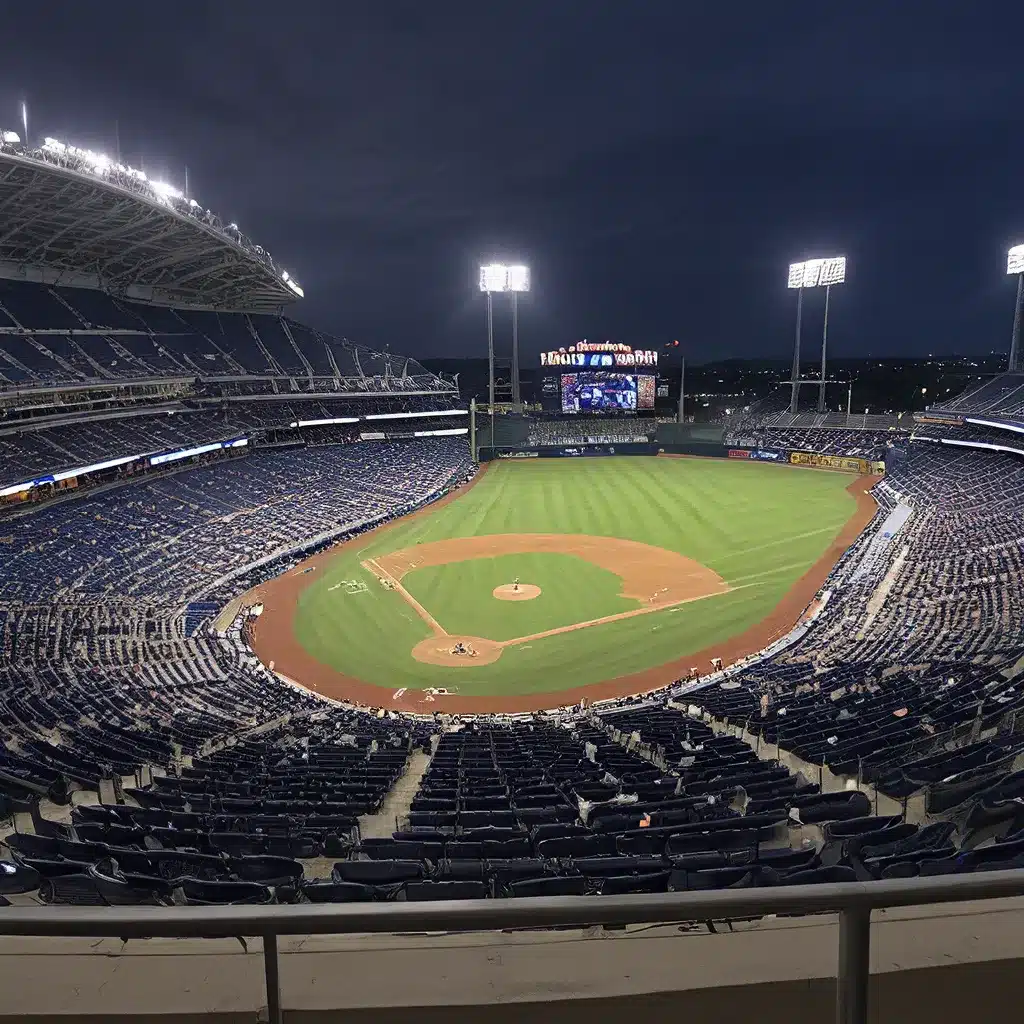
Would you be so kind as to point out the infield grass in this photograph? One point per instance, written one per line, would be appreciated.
(760, 527)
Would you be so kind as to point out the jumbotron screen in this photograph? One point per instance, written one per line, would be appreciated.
(607, 392)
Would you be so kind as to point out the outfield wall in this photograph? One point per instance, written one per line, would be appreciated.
(843, 463)
(701, 449)
(566, 451)
(705, 450)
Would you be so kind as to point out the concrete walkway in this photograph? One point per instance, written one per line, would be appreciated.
(397, 802)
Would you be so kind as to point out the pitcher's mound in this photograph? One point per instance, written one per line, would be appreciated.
(508, 592)
(457, 651)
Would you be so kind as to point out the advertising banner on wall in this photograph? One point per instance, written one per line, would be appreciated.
(739, 453)
(843, 462)
(769, 455)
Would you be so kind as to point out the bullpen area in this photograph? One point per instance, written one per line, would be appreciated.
(549, 580)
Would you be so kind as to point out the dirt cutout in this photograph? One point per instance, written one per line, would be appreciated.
(457, 651)
(516, 592)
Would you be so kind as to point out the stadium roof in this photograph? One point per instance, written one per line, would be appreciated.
(69, 216)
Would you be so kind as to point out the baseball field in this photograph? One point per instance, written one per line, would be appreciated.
(551, 578)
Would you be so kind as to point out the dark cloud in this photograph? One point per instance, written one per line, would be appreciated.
(657, 163)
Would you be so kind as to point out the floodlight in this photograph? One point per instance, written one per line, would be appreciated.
(1015, 260)
(165, 191)
(11, 137)
(817, 273)
(833, 271)
(494, 278)
(518, 279)
(292, 284)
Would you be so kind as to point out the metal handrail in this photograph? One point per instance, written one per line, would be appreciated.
(853, 901)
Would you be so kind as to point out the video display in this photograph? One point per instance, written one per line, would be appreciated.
(607, 392)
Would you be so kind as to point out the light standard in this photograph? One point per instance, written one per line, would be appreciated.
(518, 281)
(813, 274)
(499, 277)
(1015, 265)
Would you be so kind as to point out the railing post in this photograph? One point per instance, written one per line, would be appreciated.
(854, 966)
(273, 979)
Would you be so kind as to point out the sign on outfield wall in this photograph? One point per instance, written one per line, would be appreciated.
(738, 453)
(850, 465)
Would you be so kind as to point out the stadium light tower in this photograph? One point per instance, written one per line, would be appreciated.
(813, 274)
(493, 278)
(499, 277)
(518, 281)
(1015, 266)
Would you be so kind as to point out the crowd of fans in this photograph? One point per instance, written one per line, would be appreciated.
(176, 535)
(590, 430)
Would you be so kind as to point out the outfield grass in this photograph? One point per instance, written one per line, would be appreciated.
(760, 527)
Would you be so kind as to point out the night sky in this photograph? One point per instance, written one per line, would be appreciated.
(658, 164)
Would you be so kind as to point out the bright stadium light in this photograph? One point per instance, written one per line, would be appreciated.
(292, 284)
(494, 278)
(11, 137)
(817, 273)
(165, 191)
(1015, 260)
(518, 279)
(822, 273)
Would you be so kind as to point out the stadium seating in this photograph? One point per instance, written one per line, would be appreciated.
(170, 537)
(33, 449)
(824, 440)
(591, 430)
(880, 741)
(115, 339)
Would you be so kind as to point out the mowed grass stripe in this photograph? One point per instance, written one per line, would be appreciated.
(759, 525)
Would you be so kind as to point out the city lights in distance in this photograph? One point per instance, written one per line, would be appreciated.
(817, 273)
(1015, 260)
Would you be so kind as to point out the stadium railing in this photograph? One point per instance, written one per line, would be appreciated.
(852, 901)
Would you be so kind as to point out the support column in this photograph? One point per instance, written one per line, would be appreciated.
(516, 401)
(824, 349)
(794, 398)
(1015, 340)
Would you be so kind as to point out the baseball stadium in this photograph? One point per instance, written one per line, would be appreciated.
(298, 639)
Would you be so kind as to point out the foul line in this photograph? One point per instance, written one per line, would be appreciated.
(776, 543)
(609, 618)
(372, 566)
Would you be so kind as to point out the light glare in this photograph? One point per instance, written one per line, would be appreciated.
(519, 279)
(817, 273)
(494, 278)
(1015, 260)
